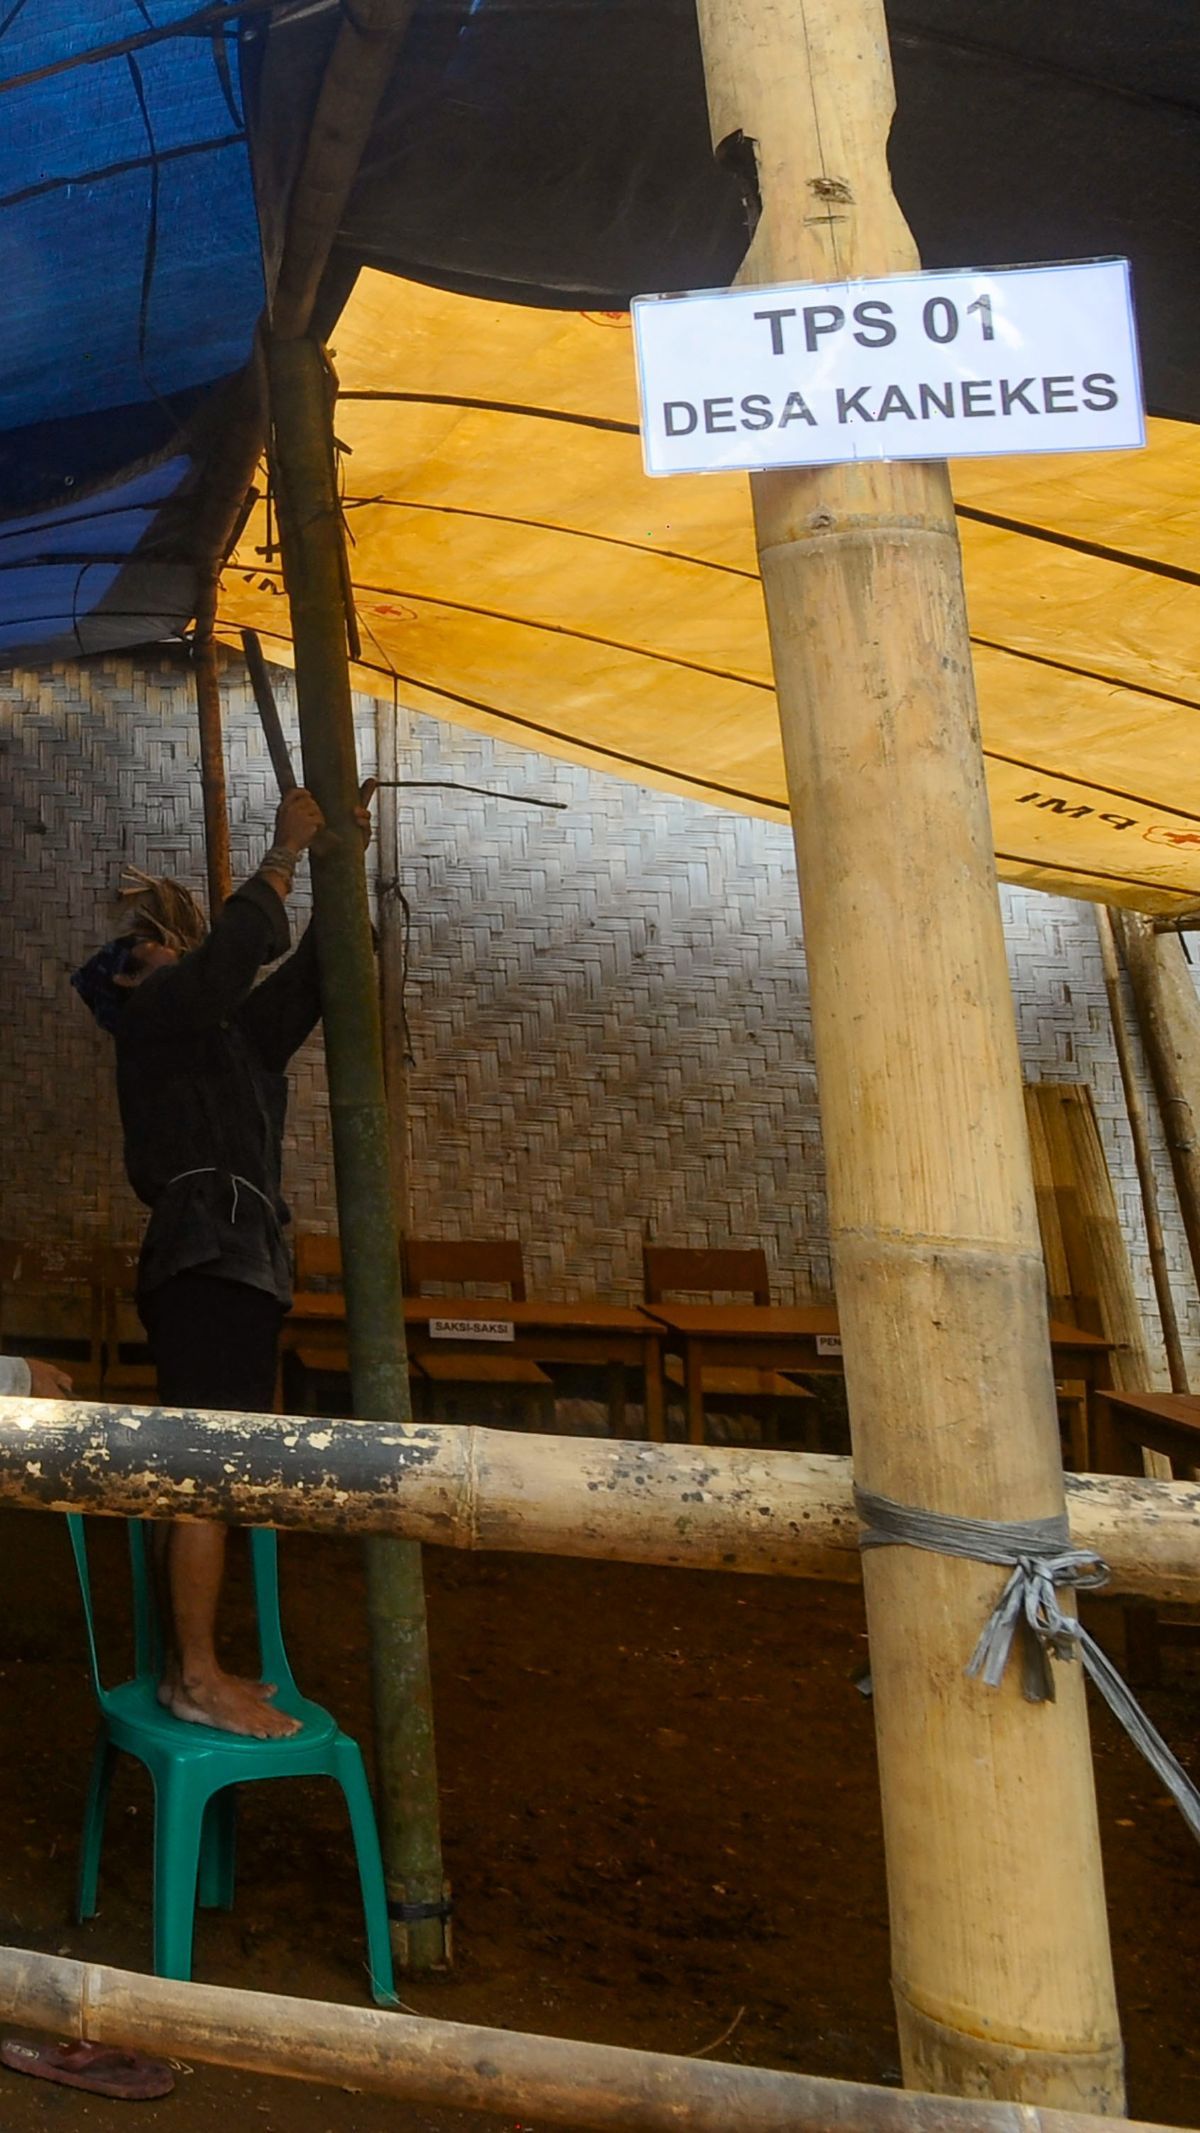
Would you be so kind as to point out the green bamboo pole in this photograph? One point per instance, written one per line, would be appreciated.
(301, 390)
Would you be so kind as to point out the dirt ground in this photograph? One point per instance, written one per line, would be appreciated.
(660, 1820)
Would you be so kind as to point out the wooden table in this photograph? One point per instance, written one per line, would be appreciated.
(619, 1336)
(1128, 1422)
(805, 1337)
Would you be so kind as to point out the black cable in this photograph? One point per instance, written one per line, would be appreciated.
(120, 170)
(519, 799)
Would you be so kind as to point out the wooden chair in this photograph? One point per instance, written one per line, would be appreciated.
(51, 1305)
(477, 1263)
(318, 1264)
(464, 1262)
(712, 1272)
(318, 1261)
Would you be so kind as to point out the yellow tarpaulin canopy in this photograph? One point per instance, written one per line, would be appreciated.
(515, 571)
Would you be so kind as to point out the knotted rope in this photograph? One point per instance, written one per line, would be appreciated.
(1041, 1561)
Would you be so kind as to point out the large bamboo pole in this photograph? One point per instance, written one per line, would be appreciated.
(1000, 1959)
(456, 2066)
(776, 1514)
(1142, 1153)
(1169, 1020)
(310, 534)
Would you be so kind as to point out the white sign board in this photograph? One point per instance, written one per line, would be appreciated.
(829, 1344)
(913, 366)
(471, 1329)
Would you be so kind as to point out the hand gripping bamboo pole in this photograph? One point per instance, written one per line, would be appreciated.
(310, 536)
(1000, 1959)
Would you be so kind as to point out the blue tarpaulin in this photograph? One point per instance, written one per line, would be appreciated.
(548, 152)
(132, 285)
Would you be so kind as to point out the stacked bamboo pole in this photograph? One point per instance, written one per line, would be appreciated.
(1082, 1228)
(1169, 1020)
(1001, 1967)
(1139, 1128)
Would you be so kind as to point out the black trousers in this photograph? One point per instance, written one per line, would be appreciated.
(214, 1342)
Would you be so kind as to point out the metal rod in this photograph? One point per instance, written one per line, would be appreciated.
(456, 2065)
(487, 792)
(1140, 1130)
(301, 416)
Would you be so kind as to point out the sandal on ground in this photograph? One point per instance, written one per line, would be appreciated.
(103, 2069)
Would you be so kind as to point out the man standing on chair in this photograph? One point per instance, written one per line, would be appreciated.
(202, 1054)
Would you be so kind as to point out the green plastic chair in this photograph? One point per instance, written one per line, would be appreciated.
(194, 1770)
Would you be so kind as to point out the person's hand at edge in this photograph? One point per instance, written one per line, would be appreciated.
(47, 1381)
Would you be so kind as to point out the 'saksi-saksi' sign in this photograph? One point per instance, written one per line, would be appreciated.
(913, 366)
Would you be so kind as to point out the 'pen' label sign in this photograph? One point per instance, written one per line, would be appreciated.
(471, 1329)
(912, 366)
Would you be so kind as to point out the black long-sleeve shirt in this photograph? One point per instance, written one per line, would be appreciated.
(201, 1061)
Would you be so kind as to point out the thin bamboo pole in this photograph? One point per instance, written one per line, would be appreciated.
(776, 1514)
(1142, 1154)
(392, 925)
(1000, 1959)
(212, 753)
(454, 2066)
(357, 73)
(1169, 1021)
(310, 534)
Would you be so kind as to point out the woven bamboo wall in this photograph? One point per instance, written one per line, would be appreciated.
(608, 1004)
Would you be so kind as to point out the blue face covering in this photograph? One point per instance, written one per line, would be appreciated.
(95, 981)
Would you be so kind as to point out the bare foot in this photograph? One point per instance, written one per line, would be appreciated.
(170, 1687)
(229, 1704)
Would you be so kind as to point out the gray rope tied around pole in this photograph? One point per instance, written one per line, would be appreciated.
(1041, 1562)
